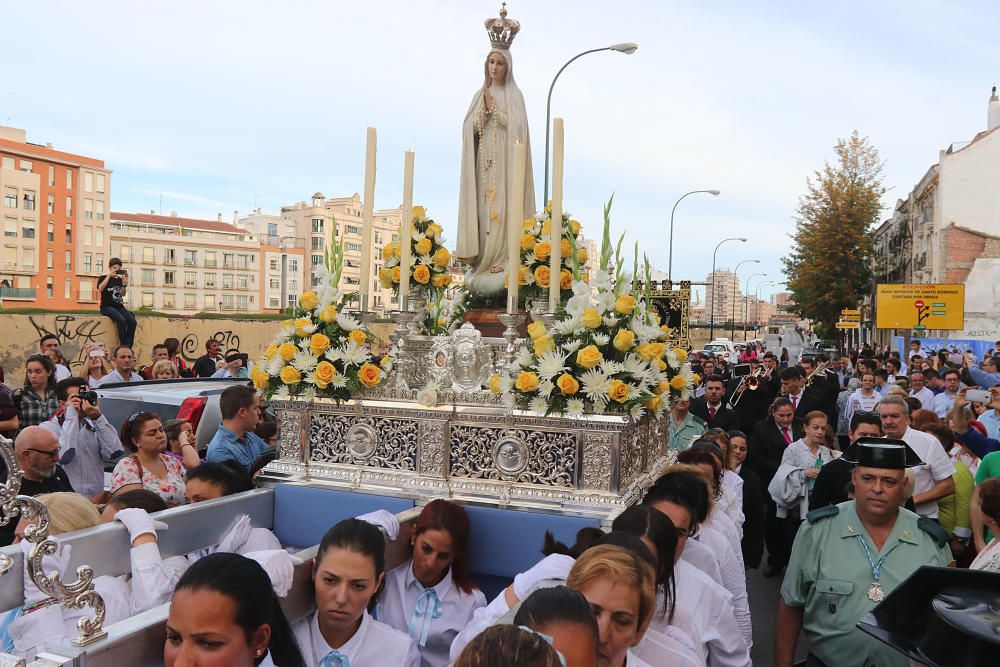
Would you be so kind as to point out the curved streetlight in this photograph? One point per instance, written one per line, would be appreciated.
(670, 256)
(746, 300)
(757, 302)
(627, 48)
(711, 321)
(736, 287)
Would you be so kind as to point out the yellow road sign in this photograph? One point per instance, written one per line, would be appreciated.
(847, 312)
(848, 325)
(920, 307)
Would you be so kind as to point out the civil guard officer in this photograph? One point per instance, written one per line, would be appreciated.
(846, 558)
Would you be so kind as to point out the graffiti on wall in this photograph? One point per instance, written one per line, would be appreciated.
(192, 347)
(74, 334)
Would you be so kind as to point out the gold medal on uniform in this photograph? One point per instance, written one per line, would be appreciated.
(875, 592)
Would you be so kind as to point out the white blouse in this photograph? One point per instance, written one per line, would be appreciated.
(989, 558)
(433, 617)
(374, 644)
(673, 647)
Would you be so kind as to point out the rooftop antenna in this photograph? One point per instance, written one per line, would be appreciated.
(161, 204)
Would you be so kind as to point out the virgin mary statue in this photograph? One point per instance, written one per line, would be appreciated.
(495, 121)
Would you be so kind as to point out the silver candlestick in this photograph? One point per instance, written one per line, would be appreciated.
(511, 321)
(402, 318)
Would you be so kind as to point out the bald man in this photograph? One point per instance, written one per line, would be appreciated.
(36, 451)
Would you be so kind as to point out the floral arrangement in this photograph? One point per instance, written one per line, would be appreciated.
(536, 250)
(606, 352)
(322, 351)
(430, 259)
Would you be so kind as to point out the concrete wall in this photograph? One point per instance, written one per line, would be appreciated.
(21, 335)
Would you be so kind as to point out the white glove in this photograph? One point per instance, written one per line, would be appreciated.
(385, 520)
(556, 566)
(280, 567)
(236, 537)
(57, 562)
(138, 522)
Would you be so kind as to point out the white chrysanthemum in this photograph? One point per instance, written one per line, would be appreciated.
(568, 326)
(685, 394)
(391, 262)
(338, 381)
(601, 339)
(347, 322)
(574, 407)
(538, 405)
(672, 360)
(550, 364)
(426, 261)
(303, 344)
(353, 354)
(644, 332)
(327, 294)
(611, 367)
(275, 365)
(635, 365)
(529, 259)
(571, 346)
(637, 411)
(580, 299)
(333, 355)
(282, 392)
(545, 388)
(506, 383)
(524, 357)
(508, 400)
(600, 405)
(304, 361)
(633, 392)
(686, 373)
(610, 320)
(595, 384)
(308, 329)
(309, 394)
(284, 333)
(540, 217)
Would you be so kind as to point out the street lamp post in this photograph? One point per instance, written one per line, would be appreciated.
(711, 317)
(627, 48)
(746, 301)
(670, 256)
(736, 286)
(756, 304)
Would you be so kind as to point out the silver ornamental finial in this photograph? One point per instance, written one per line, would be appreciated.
(502, 31)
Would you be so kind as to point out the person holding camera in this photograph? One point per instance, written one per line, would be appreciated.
(113, 287)
(86, 437)
(233, 365)
(95, 365)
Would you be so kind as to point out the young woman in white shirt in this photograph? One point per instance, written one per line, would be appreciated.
(431, 596)
(225, 613)
(562, 616)
(510, 645)
(348, 573)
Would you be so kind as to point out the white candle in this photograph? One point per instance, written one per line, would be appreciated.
(555, 261)
(406, 232)
(367, 207)
(515, 214)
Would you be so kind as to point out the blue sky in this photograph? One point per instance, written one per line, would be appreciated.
(214, 104)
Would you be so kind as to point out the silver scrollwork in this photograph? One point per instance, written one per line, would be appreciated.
(361, 440)
(395, 441)
(550, 457)
(472, 359)
(510, 454)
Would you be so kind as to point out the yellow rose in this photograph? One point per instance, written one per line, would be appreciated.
(259, 376)
(542, 275)
(536, 330)
(645, 351)
(421, 274)
(543, 249)
(318, 344)
(329, 313)
(290, 375)
(358, 336)
(589, 356)
(677, 382)
(565, 249)
(388, 251)
(301, 324)
(591, 318)
(543, 344)
(624, 340)
(696, 379)
(395, 274)
(574, 227)
(384, 278)
(653, 404)
(565, 279)
(618, 391)
(442, 257)
(324, 373)
(528, 223)
(663, 387)
(441, 280)
(625, 304)
(423, 246)
(567, 384)
(287, 351)
(547, 227)
(526, 381)
(522, 275)
(271, 350)
(666, 331)
(369, 375)
(495, 384)
(581, 255)
(681, 353)
(434, 230)
(527, 241)
(418, 212)
(308, 300)
(661, 364)
(386, 361)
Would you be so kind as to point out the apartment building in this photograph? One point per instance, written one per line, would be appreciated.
(185, 265)
(284, 262)
(55, 216)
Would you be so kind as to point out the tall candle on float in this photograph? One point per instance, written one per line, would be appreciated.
(406, 232)
(515, 214)
(555, 260)
(367, 208)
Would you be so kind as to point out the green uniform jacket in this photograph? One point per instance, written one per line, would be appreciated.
(690, 430)
(829, 575)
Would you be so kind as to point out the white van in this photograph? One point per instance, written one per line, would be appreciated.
(722, 348)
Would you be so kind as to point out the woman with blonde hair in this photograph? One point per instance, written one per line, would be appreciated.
(95, 366)
(68, 511)
(164, 369)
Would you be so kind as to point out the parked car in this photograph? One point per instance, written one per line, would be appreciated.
(722, 348)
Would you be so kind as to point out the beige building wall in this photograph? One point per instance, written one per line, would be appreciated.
(22, 229)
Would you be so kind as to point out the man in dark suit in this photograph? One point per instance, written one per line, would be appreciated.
(753, 403)
(804, 399)
(767, 444)
(710, 408)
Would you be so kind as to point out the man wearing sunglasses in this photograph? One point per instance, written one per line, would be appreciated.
(36, 451)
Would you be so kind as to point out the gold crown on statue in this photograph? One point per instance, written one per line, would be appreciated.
(502, 31)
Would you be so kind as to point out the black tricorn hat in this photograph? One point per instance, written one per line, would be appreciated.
(881, 453)
(941, 616)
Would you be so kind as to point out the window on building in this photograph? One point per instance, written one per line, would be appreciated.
(210, 258)
(227, 260)
(169, 256)
(168, 277)
(29, 201)
(210, 302)
(69, 235)
(88, 181)
(272, 229)
(7, 163)
(88, 239)
(317, 225)
(293, 285)
(88, 209)
(88, 261)
(26, 166)
(241, 302)
(69, 205)
(190, 279)
(293, 265)
(50, 259)
(274, 283)
(210, 280)
(273, 302)
(190, 257)
(10, 228)
(273, 264)
(243, 261)
(351, 281)
(28, 230)
(68, 289)
(189, 301)
(10, 255)
(51, 208)
(48, 287)
(101, 183)
(353, 263)
(99, 264)
(125, 252)
(293, 300)
(149, 276)
(100, 209)
(168, 299)
(99, 236)
(51, 235)
(69, 260)
(52, 175)
(147, 299)
(10, 198)
(149, 254)
(28, 262)
(241, 282)
(227, 281)
(227, 301)
(356, 247)
(351, 229)
(69, 179)
(316, 260)
(86, 289)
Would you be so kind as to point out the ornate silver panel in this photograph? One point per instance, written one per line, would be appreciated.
(438, 361)
(290, 431)
(471, 360)
(379, 442)
(433, 448)
(548, 457)
(598, 463)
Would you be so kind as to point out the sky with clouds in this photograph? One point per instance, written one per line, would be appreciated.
(220, 105)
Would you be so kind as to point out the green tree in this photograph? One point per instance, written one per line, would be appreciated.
(829, 266)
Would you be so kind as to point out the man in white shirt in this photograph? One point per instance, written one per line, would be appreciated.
(124, 363)
(934, 478)
(50, 347)
(944, 400)
(919, 390)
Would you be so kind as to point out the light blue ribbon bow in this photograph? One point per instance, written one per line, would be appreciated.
(6, 642)
(335, 659)
(427, 608)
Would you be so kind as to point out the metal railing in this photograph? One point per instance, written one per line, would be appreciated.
(18, 292)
